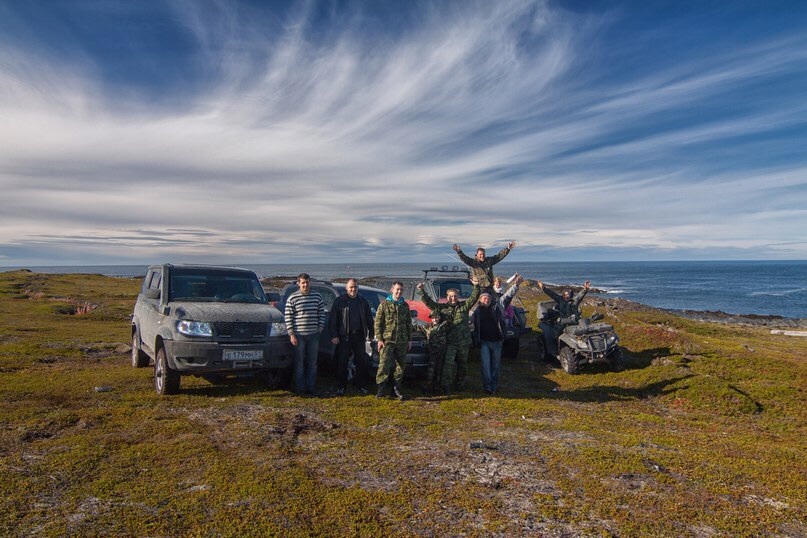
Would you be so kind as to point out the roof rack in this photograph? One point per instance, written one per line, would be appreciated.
(446, 269)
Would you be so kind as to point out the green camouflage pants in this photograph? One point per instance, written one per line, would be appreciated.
(434, 373)
(391, 356)
(456, 364)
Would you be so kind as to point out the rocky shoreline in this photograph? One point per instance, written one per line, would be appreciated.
(711, 316)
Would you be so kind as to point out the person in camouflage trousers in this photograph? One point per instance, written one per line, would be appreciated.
(393, 329)
(482, 265)
(458, 336)
(437, 342)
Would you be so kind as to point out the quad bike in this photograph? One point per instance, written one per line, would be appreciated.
(587, 341)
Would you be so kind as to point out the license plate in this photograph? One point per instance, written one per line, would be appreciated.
(242, 355)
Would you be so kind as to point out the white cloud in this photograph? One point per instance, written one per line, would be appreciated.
(471, 127)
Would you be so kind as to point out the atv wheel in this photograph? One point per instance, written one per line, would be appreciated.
(139, 359)
(615, 360)
(568, 360)
(540, 354)
(166, 379)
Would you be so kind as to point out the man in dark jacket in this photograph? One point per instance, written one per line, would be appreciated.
(490, 329)
(568, 313)
(351, 325)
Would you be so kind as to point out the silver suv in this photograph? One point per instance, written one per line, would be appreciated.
(207, 321)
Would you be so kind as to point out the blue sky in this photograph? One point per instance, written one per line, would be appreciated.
(257, 132)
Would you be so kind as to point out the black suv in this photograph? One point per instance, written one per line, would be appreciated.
(207, 321)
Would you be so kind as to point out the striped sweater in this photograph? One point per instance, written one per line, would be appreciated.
(305, 314)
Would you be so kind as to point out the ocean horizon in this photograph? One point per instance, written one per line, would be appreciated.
(773, 288)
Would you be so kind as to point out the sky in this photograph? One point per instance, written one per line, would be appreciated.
(135, 132)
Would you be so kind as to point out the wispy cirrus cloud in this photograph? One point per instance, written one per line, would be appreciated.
(323, 133)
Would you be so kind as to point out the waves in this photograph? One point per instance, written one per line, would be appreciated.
(782, 293)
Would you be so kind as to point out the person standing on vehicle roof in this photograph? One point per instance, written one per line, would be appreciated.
(568, 308)
(455, 366)
(482, 265)
(490, 328)
(351, 324)
(393, 328)
(305, 319)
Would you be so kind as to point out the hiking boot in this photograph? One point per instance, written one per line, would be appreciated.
(340, 391)
(380, 392)
(363, 391)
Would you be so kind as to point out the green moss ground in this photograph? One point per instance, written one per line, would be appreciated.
(703, 434)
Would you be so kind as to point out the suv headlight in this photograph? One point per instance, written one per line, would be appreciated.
(612, 339)
(278, 329)
(195, 328)
(582, 344)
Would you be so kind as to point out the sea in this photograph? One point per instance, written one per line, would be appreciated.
(772, 288)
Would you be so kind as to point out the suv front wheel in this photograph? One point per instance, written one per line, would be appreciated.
(166, 380)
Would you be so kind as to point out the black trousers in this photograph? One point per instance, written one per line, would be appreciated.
(354, 345)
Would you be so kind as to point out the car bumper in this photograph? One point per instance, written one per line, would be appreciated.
(211, 357)
(417, 359)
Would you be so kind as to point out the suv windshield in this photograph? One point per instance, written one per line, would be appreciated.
(201, 285)
(373, 297)
(463, 285)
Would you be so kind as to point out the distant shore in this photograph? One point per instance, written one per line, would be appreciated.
(529, 290)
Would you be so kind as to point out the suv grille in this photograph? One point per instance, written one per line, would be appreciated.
(240, 331)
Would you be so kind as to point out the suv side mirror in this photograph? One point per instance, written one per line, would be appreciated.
(152, 293)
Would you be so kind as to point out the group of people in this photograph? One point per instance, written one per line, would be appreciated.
(482, 317)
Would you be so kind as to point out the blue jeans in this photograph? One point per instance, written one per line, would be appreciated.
(490, 354)
(305, 363)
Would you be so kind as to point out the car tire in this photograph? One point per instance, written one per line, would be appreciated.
(276, 377)
(139, 358)
(568, 360)
(166, 379)
(510, 348)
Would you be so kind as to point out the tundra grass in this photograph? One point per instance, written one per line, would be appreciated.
(702, 434)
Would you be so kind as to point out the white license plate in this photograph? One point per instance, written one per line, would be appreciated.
(242, 355)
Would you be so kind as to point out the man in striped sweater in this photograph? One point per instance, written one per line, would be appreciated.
(305, 319)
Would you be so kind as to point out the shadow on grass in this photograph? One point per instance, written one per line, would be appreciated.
(608, 393)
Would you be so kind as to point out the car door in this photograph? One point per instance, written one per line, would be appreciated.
(151, 316)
